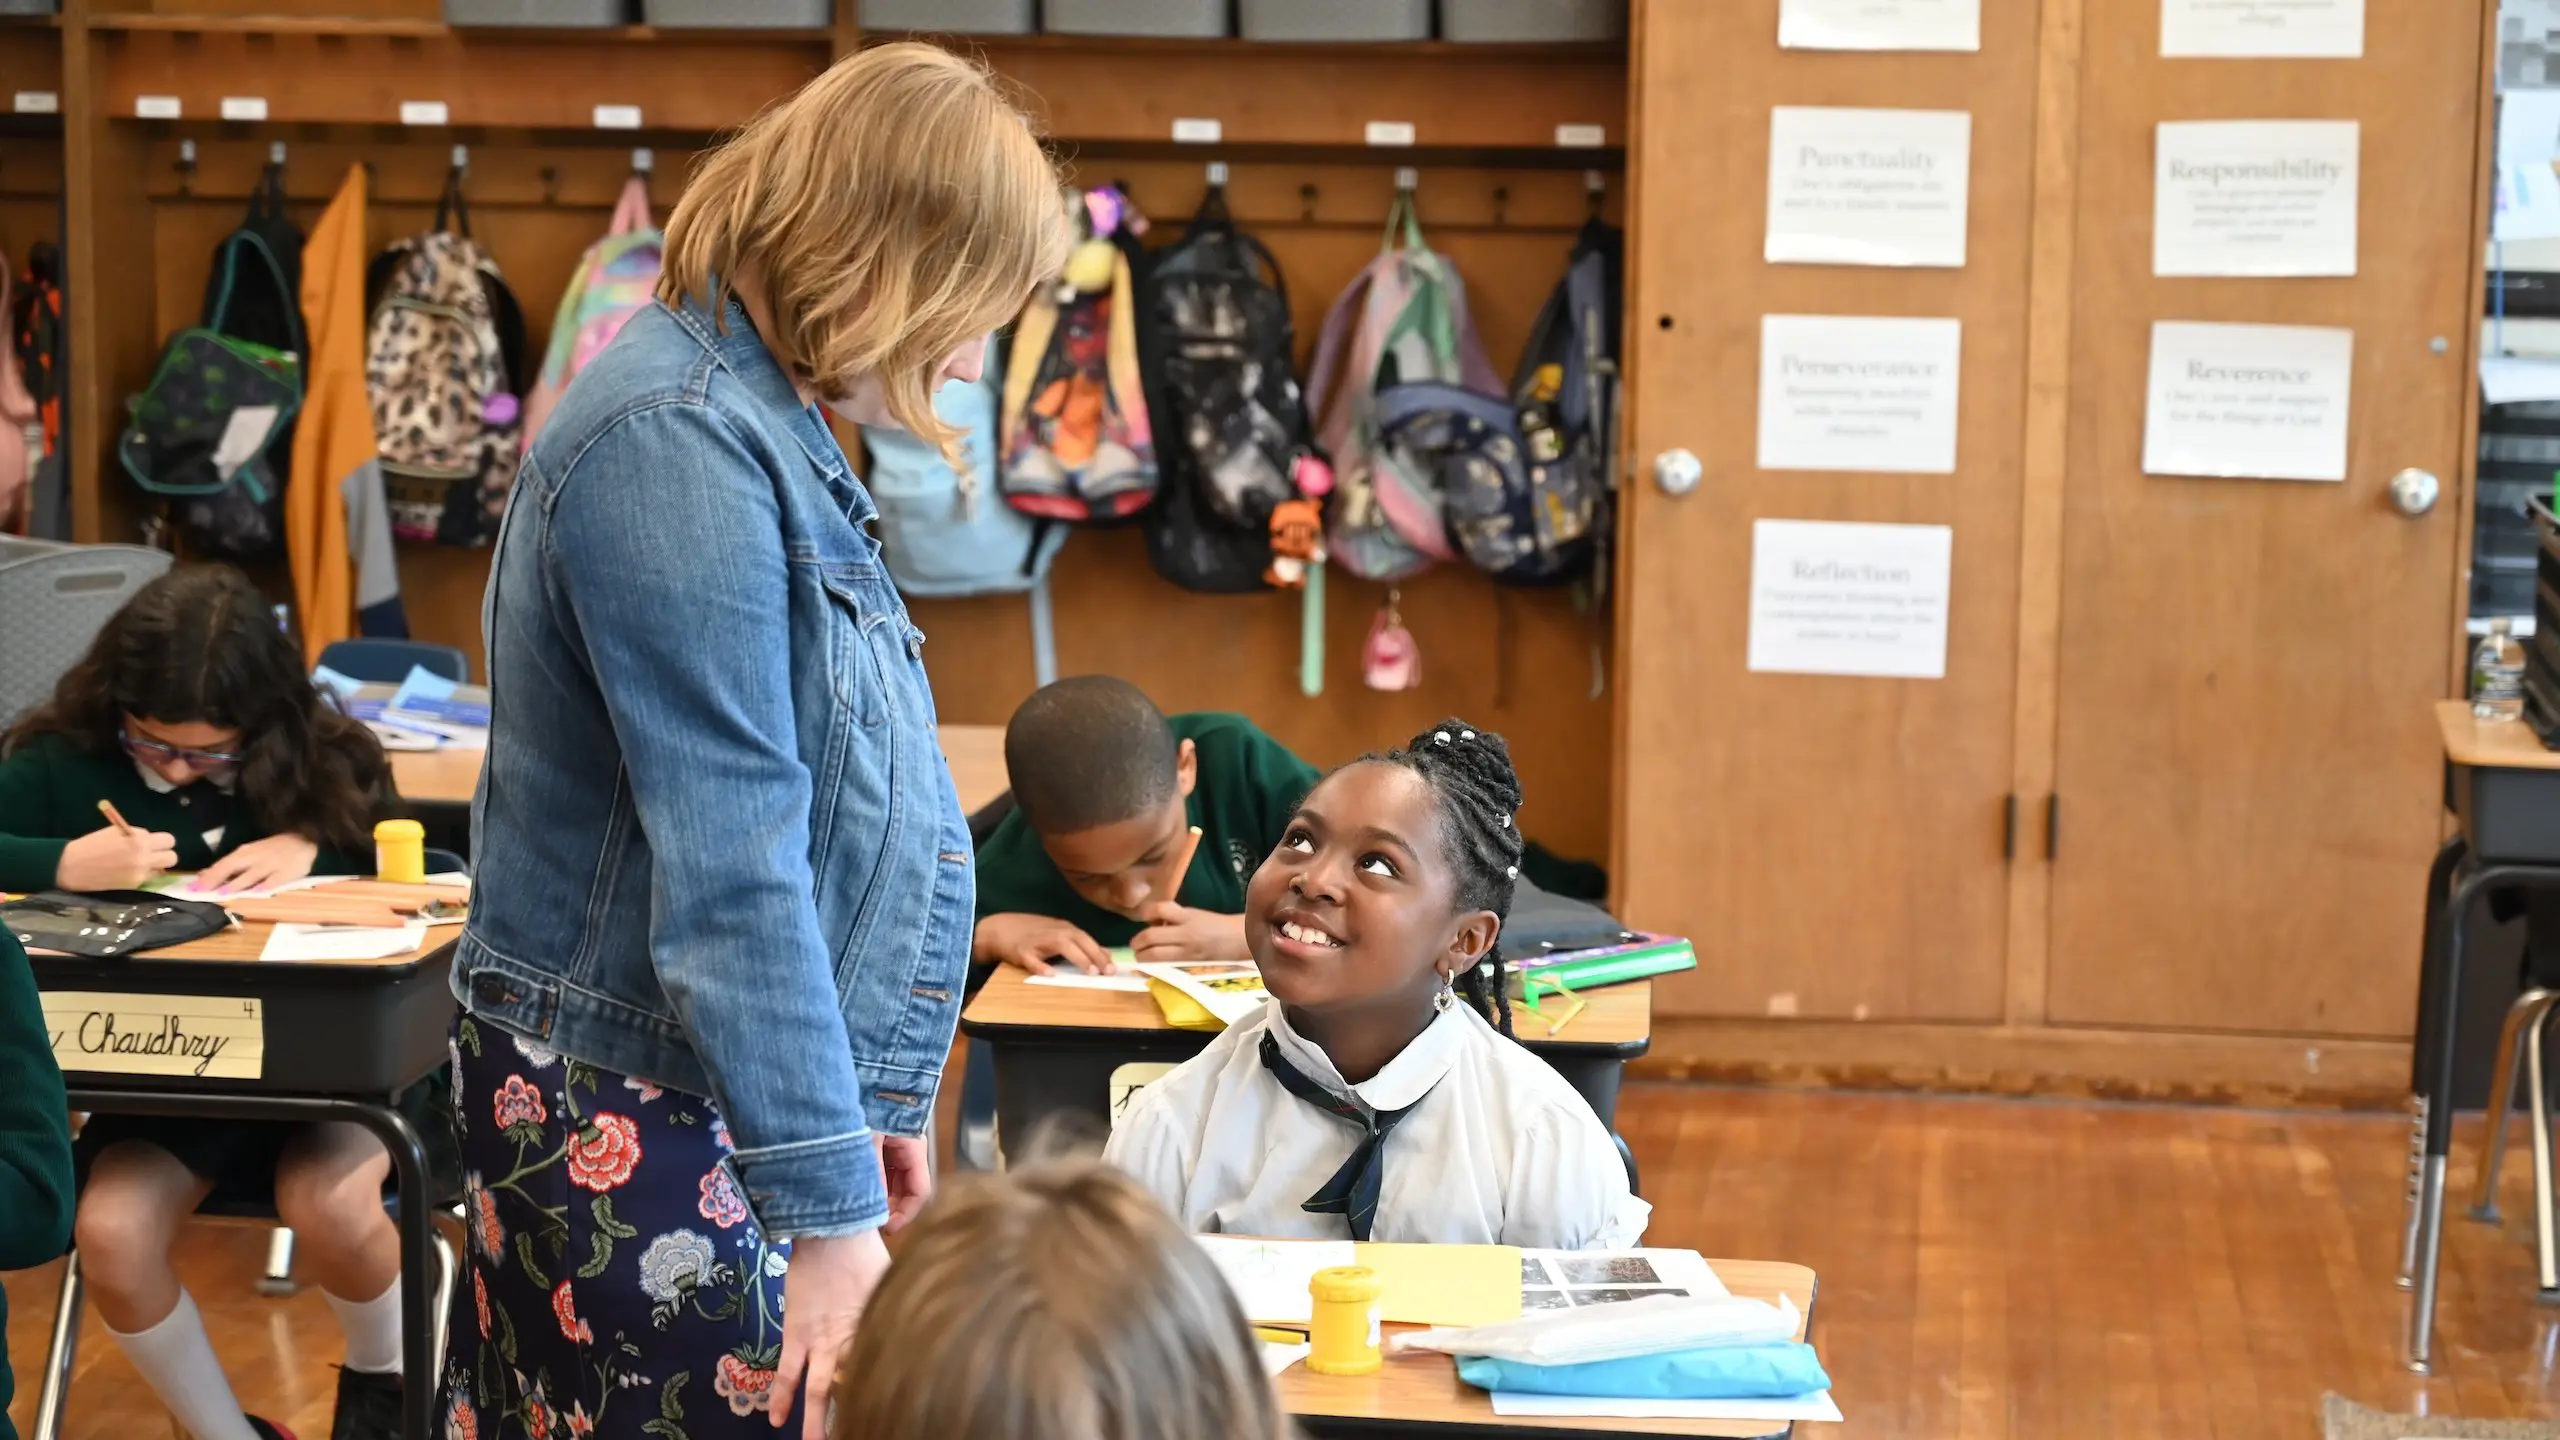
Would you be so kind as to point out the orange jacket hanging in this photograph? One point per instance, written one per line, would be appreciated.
(346, 578)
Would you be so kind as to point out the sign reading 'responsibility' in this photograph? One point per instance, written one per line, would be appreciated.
(1868, 187)
(209, 1037)
(2264, 402)
(2255, 197)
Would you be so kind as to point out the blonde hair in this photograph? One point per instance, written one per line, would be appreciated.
(893, 209)
(1054, 1302)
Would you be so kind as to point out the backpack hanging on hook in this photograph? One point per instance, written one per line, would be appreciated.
(616, 279)
(444, 357)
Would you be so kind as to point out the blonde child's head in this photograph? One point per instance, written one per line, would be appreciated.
(1057, 1302)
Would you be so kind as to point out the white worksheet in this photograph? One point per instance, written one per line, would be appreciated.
(2264, 402)
(2255, 197)
(1868, 187)
(2262, 29)
(1880, 24)
(1859, 392)
(1830, 598)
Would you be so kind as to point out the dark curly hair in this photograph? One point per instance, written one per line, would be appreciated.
(1478, 794)
(200, 645)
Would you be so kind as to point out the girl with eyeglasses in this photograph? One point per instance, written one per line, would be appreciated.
(193, 717)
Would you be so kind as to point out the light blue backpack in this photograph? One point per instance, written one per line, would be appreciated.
(948, 535)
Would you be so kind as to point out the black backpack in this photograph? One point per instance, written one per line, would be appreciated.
(1542, 515)
(211, 435)
(1230, 422)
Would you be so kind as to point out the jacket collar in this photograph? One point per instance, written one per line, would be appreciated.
(737, 348)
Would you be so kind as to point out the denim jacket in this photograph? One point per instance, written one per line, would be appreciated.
(717, 844)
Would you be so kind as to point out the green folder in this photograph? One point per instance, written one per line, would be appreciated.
(1616, 965)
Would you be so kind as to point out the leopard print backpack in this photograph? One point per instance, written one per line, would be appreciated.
(443, 355)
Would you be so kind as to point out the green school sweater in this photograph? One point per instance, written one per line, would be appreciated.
(49, 794)
(35, 1141)
(1247, 786)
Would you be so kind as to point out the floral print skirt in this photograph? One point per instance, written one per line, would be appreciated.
(616, 1285)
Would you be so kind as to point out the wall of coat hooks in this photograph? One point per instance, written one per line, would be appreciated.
(145, 200)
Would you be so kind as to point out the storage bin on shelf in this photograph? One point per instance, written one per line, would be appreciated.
(1514, 22)
(738, 14)
(547, 14)
(1196, 19)
(1327, 20)
(950, 17)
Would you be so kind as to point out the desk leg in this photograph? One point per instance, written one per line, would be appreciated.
(2440, 1035)
(418, 1320)
(2421, 1066)
(59, 1360)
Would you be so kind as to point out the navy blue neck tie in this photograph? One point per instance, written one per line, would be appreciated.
(1353, 1191)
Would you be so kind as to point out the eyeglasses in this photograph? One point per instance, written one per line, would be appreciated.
(153, 752)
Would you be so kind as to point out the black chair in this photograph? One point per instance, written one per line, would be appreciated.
(388, 662)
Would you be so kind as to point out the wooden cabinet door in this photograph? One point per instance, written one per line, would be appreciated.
(2247, 768)
(1833, 845)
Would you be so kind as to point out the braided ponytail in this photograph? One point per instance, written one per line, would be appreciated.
(1470, 775)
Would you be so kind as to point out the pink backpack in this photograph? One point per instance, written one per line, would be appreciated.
(615, 280)
(18, 417)
(1403, 320)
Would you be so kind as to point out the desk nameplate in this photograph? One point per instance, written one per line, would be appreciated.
(211, 1037)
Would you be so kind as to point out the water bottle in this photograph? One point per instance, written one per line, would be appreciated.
(2497, 674)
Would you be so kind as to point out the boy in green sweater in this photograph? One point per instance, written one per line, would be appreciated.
(35, 1140)
(1108, 790)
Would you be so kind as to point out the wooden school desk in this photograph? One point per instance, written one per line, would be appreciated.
(445, 778)
(2504, 789)
(1056, 1046)
(1421, 1394)
(341, 1039)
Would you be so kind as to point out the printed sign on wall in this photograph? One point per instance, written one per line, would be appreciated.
(1829, 598)
(1868, 187)
(2255, 197)
(2262, 402)
(2263, 29)
(1850, 392)
(1880, 24)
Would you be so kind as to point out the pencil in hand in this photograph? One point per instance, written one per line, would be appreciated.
(108, 809)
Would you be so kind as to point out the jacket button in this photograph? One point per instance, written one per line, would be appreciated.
(488, 989)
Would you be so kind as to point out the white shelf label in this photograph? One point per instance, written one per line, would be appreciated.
(156, 107)
(244, 107)
(1198, 132)
(37, 102)
(1389, 132)
(425, 112)
(1581, 137)
(617, 117)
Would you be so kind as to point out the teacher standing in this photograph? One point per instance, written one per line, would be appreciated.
(711, 974)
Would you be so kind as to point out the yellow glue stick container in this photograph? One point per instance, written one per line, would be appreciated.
(400, 852)
(1344, 1322)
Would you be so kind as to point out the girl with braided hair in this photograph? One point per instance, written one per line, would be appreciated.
(1379, 1095)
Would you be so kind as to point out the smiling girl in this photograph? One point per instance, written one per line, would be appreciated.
(1380, 1096)
(192, 716)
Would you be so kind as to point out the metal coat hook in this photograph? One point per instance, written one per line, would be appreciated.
(1501, 203)
(1595, 190)
(187, 167)
(1218, 174)
(644, 161)
(550, 184)
(1408, 179)
(275, 154)
(461, 160)
(1307, 204)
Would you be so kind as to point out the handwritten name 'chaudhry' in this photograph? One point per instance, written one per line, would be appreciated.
(103, 1032)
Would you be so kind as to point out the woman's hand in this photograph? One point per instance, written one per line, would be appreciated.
(114, 859)
(1178, 933)
(260, 863)
(906, 1167)
(830, 1280)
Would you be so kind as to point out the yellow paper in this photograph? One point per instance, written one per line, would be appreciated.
(1180, 1010)
(211, 1037)
(1446, 1284)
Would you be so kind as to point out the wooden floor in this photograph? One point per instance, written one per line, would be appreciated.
(1990, 1268)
